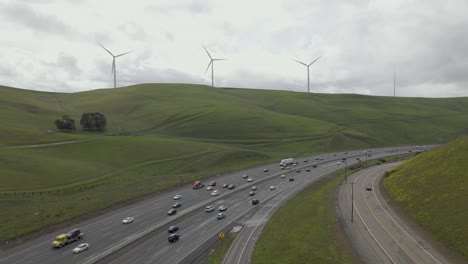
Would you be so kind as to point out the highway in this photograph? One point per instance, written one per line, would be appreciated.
(145, 240)
(378, 234)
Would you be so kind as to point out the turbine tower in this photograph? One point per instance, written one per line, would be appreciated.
(308, 75)
(212, 66)
(394, 76)
(113, 63)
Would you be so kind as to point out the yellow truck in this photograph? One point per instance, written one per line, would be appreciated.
(64, 239)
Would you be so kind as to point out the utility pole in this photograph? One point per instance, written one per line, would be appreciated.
(345, 172)
(352, 201)
(394, 77)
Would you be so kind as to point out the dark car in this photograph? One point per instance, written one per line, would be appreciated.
(291, 178)
(176, 205)
(212, 183)
(307, 170)
(173, 229)
(255, 201)
(298, 171)
(306, 160)
(368, 188)
(231, 186)
(172, 212)
(265, 170)
(314, 166)
(173, 237)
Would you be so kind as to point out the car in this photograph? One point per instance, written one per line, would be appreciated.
(213, 183)
(80, 248)
(222, 208)
(172, 211)
(251, 193)
(245, 176)
(320, 158)
(343, 159)
(215, 193)
(255, 201)
(177, 197)
(209, 188)
(250, 179)
(338, 163)
(173, 237)
(368, 188)
(358, 158)
(231, 186)
(370, 155)
(254, 188)
(298, 171)
(128, 220)
(176, 205)
(209, 208)
(316, 158)
(291, 178)
(282, 175)
(225, 185)
(221, 216)
(265, 170)
(173, 229)
(288, 168)
(272, 187)
(346, 153)
(306, 160)
(307, 170)
(334, 154)
(314, 166)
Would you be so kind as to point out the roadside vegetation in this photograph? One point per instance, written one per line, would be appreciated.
(305, 229)
(158, 136)
(433, 189)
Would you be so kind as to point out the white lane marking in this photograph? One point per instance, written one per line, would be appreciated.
(375, 239)
(373, 184)
(179, 249)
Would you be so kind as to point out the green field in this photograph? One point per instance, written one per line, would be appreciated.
(433, 189)
(163, 135)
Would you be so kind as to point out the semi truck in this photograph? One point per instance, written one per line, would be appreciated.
(197, 185)
(287, 161)
(65, 239)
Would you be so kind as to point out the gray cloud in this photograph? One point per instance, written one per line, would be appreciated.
(33, 19)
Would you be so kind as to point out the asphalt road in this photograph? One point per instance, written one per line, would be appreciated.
(146, 238)
(378, 234)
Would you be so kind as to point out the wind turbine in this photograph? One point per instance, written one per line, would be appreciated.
(113, 63)
(212, 66)
(308, 75)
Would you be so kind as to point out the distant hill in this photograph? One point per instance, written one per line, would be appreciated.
(433, 189)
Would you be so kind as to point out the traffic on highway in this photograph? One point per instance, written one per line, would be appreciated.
(180, 224)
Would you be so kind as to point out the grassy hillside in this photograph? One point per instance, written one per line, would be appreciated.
(433, 189)
(162, 135)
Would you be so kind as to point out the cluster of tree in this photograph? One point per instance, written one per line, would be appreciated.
(89, 121)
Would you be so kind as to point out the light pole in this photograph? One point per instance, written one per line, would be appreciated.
(352, 201)
(365, 153)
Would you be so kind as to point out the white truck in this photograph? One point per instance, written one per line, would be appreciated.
(287, 161)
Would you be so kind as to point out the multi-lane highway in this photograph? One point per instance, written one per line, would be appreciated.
(145, 240)
(378, 234)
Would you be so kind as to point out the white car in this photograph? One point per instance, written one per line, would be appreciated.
(254, 188)
(209, 188)
(177, 197)
(222, 208)
(282, 175)
(215, 193)
(250, 179)
(128, 220)
(245, 176)
(272, 187)
(80, 248)
(338, 163)
(220, 216)
(209, 208)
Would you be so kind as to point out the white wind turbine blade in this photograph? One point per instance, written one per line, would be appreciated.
(207, 52)
(106, 49)
(314, 61)
(123, 54)
(300, 62)
(211, 61)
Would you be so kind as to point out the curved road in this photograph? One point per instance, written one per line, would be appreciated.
(378, 234)
(146, 238)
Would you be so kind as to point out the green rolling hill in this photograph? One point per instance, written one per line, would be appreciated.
(163, 135)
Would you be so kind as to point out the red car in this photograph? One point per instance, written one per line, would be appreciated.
(212, 184)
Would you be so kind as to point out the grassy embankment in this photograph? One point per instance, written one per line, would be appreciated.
(161, 135)
(433, 189)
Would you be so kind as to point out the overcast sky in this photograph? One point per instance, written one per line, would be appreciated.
(51, 45)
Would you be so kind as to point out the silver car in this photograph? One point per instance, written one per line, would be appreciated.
(80, 248)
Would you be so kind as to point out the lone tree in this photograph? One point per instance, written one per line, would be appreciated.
(93, 121)
(66, 123)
